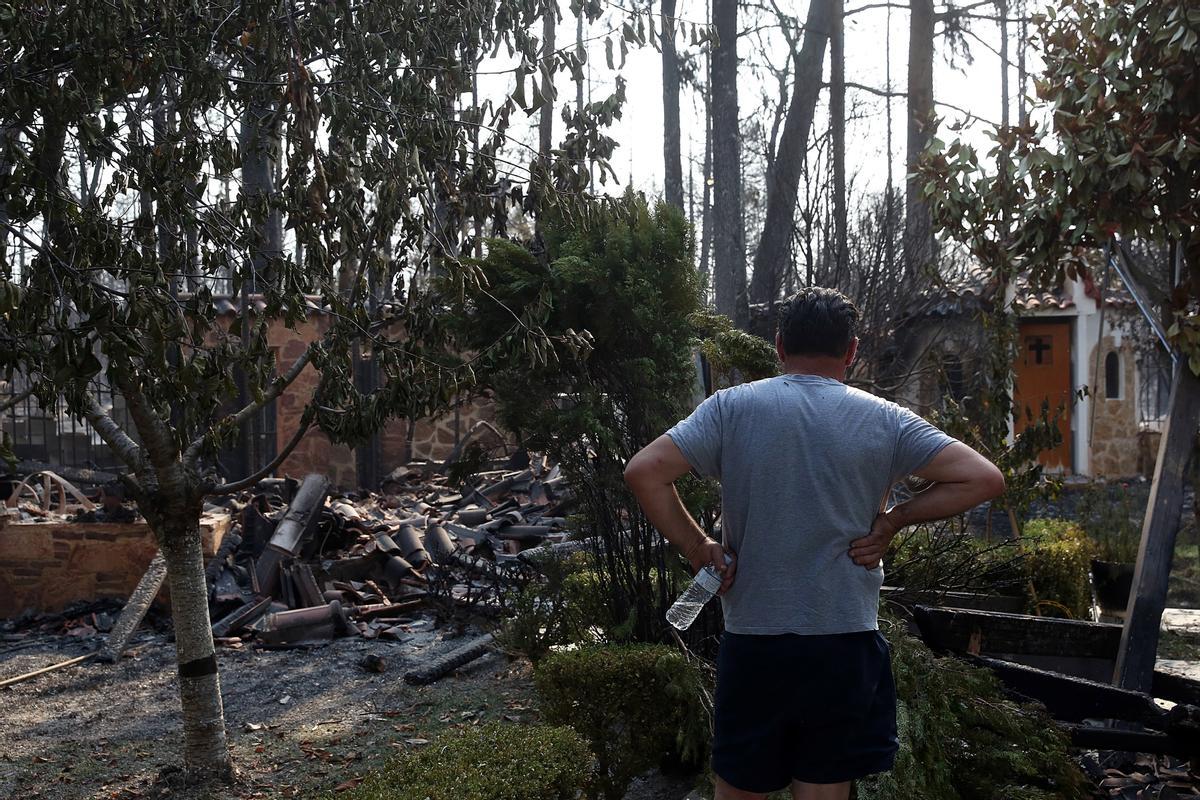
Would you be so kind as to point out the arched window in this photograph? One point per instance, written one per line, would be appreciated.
(1112, 376)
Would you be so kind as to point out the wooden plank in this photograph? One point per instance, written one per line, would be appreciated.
(969, 631)
(1176, 688)
(1093, 738)
(135, 610)
(1077, 699)
(1139, 638)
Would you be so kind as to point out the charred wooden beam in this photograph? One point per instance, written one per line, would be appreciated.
(443, 665)
(1139, 642)
(1076, 699)
(1176, 688)
(969, 631)
(1095, 738)
(387, 609)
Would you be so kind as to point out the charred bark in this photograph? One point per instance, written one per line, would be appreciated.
(729, 248)
(918, 221)
(837, 123)
(672, 160)
(783, 180)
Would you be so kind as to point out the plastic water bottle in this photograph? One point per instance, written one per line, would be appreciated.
(702, 589)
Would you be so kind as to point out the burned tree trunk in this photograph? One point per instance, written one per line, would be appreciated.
(546, 120)
(729, 249)
(918, 222)
(837, 124)
(672, 163)
(783, 181)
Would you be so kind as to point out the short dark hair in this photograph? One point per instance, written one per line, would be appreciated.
(817, 321)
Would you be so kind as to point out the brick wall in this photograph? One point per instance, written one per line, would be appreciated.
(45, 566)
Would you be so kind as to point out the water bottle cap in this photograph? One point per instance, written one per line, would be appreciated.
(709, 579)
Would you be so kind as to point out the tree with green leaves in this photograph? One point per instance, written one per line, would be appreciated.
(352, 178)
(1117, 161)
(614, 296)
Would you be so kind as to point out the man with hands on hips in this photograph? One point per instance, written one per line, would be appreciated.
(805, 697)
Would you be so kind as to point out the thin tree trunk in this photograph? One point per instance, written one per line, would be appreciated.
(1002, 10)
(582, 54)
(546, 121)
(204, 747)
(837, 120)
(729, 250)
(774, 249)
(1022, 76)
(8, 137)
(706, 202)
(918, 221)
(672, 159)
(258, 184)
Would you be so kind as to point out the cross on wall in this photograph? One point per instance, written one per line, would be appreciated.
(1040, 347)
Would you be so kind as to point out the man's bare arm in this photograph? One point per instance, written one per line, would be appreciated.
(651, 475)
(962, 480)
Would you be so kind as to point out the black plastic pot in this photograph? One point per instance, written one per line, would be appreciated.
(1113, 581)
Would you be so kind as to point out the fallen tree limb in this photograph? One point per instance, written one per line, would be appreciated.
(441, 666)
(44, 670)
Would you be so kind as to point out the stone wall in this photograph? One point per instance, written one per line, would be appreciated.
(45, 566)
(1114, 429)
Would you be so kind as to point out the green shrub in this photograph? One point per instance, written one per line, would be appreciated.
(564, 605)
(960, 739)
(1057, 558)
(495, 761)
(635, 704)
(1112, 518)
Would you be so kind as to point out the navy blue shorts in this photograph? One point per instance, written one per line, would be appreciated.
(816, 709)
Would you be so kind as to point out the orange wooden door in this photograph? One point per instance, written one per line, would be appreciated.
(1043, 373)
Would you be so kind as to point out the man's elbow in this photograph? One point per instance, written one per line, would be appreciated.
(991, 483)
(636, 472)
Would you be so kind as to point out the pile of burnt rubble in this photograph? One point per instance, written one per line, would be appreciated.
(299, 564)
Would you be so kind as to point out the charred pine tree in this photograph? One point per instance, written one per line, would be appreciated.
(918, 222)
(729, 247)
(672, 158)
(773, 256)
(837, 129)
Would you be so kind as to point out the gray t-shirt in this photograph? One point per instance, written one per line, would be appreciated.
(805, 464)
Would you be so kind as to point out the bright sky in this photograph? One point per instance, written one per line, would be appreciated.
(973, 87)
